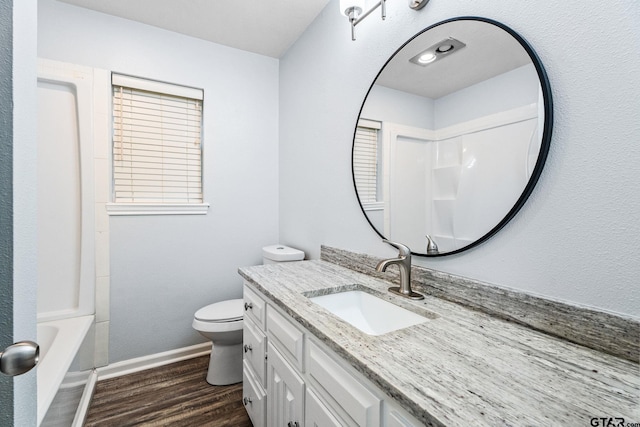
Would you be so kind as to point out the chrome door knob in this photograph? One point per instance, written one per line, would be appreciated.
(247, 306)
(19, 358)
(247, 348)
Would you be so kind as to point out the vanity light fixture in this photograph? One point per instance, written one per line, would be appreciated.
(438, 51)
(355, 10)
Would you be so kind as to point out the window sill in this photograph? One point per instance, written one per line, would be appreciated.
(373, 206)
(123, 209)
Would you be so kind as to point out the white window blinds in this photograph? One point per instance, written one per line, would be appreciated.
(157, 152)
(365, 160)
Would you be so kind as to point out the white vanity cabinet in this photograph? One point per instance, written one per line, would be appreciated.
(292, 379)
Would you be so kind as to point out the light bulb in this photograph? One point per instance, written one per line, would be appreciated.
(427, 57)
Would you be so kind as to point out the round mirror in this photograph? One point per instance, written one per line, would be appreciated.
(452, 136)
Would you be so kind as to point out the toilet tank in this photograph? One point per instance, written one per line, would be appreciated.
(280, 253)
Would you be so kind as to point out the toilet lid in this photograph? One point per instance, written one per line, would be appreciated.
(224, 311)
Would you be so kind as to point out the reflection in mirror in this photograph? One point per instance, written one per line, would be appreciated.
(452, 136)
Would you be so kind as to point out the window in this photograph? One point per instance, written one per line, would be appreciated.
(365, 162)
(157, 148)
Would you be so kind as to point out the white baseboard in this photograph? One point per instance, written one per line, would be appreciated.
(152, 361)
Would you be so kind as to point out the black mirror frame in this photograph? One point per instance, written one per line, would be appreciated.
(544, 145)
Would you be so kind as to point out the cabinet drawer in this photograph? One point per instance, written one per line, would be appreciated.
(253, 397)
(286, 337)
(316, 414)
(254, 307)
(254, 349)
(342, 389)
(396, 416)
(396, 419)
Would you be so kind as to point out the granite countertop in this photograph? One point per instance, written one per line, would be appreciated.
(461, 367)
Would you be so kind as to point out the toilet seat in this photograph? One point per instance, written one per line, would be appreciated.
(220, 316)
(223, 311)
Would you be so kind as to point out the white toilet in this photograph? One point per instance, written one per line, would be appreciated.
(221, 322)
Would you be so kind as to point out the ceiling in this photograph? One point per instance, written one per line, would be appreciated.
(264, 27)
(489, 52)
(271, 27)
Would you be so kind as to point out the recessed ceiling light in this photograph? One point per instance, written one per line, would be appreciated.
(437, 51)
(427, 57)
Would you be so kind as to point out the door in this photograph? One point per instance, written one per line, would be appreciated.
(18, 240)
(17, 394)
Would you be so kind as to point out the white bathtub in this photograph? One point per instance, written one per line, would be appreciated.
(59, 342)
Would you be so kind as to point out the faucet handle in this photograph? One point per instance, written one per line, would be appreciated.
(403, 250)
(432, 247)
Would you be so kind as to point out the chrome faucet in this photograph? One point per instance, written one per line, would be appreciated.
(404, 264)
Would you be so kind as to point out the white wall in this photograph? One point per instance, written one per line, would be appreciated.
(164, 268)
(512, 89)
(578, 237)
(390, 105)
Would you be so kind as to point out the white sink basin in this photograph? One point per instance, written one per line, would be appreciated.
(370, 314)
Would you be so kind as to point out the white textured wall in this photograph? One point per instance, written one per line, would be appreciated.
(164, 268)
(578, 237)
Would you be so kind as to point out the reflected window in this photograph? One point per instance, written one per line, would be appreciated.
(366, 155)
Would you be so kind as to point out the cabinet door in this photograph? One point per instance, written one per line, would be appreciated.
(316, 414)
(285, 389)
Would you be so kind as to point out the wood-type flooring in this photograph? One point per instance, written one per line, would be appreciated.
(172, 395)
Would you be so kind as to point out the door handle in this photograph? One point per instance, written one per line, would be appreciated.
(19, 358)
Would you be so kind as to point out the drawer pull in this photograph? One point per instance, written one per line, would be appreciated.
(293, 424)
(247, 306)
(247, 348)
(246, 401)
